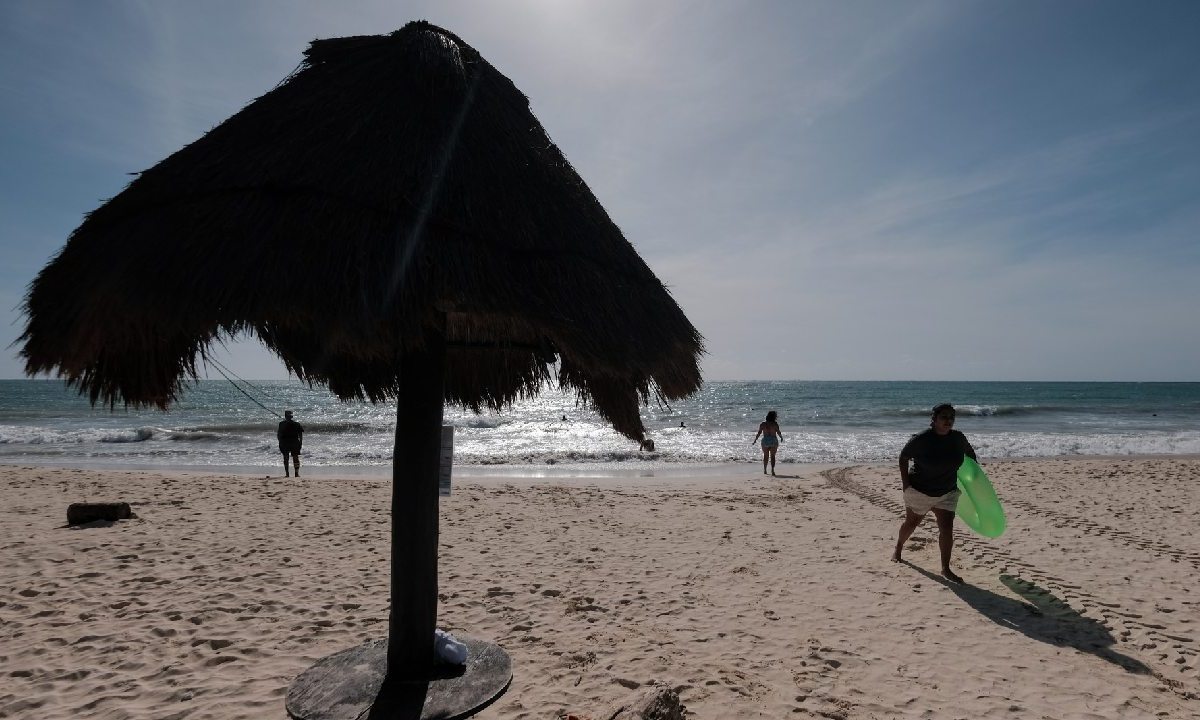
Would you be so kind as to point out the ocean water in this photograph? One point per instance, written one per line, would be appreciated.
(216, 425)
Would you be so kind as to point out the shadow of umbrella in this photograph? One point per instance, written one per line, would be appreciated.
(1043, 617)
(393, 222)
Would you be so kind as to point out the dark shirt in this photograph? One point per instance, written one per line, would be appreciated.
(290, 434)
(935, 460)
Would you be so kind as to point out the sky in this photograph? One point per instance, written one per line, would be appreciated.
(844, 190)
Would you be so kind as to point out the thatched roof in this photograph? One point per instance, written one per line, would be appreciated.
(393, 184)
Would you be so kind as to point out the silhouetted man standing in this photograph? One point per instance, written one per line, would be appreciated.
(291, 437)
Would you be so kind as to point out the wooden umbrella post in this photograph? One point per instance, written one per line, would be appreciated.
(398, 678)
(415, 512)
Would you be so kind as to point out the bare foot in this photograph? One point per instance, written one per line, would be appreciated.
(896, 556)
(949, 575)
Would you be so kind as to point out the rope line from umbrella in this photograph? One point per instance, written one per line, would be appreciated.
(218, 367)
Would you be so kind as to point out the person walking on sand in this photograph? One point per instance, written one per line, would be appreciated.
(291, 436)
(932, 484)
(771, 437)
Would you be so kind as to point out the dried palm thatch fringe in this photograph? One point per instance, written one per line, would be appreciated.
(392, 186)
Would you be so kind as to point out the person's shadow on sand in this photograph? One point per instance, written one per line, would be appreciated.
(1042, 617)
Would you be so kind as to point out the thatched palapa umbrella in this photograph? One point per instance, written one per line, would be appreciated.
(394, 223)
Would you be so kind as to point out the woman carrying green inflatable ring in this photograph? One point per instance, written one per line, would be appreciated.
(936, 455)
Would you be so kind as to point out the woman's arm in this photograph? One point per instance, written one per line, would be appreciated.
(760, 431)
(967, 449)
(911, 449)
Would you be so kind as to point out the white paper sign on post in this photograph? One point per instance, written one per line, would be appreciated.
(447, 460)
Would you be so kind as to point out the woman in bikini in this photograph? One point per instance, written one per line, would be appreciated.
(771, 437)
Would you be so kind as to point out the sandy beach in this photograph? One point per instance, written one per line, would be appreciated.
(754, 597)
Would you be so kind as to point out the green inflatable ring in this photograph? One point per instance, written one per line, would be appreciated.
(978, 505)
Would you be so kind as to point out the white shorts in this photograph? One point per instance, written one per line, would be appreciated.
(920, 503)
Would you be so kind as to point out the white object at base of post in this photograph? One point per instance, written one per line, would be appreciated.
(447, 649)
